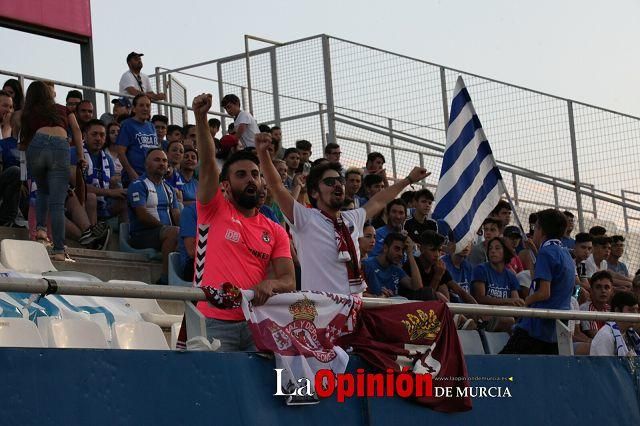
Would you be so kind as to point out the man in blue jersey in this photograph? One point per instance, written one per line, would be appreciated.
(153, 210)
(566, 239)
(396, 216)
(187, 173)
(459, 268)
(187, 241)
(554, 280)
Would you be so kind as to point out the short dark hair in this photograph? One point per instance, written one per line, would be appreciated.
(139, 96)
(597, 230)
(85, 101)
(318, 161)
(431, 239)
(424, 193)
(172, 128)
(622, 299)
(372, 179)
(330, 146)
(533, 218)
(506, 252)
(583, 237)
(315, 175)
(601, 240)
(214, 122)
(493, 221)
(601, 275)
(190, 149)
(92, 122)
(151, 151)
(303, 145)
(568, 214)
(74, 94)
(396, 202)
(161, 118)
(229, 99)
(617, 239)
(373, 156)
(502, 204)
(173, 143)
(408, 196)
(275, 128)
(234, 158)
(264, 128)
(553, 223)
(186, 128)
(290, 151)
(394, 236)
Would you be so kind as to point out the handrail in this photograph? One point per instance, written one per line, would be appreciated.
(149, 291)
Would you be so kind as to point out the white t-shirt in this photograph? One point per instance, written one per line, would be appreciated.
(603, 343)
(575, 306)
(248, 137)
(129, 80)
(314, 238)
(591, 268)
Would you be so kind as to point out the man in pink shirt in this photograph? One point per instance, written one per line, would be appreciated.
(235, 244)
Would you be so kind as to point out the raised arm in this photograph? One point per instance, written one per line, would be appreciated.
(209, 173)
(382, 198)
(282, 196)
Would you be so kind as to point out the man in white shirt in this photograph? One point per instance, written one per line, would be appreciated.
(134, 82)
(324, 236)
(598, 262)
(618, 338)
(245, 126)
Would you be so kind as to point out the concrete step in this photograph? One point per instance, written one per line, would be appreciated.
(105, 269)
(106, 254)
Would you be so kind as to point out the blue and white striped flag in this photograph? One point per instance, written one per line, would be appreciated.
(470, 183)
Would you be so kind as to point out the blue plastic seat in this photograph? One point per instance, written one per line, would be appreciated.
(174, 268)
(123, 238)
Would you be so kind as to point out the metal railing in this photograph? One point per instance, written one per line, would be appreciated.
(147, 291)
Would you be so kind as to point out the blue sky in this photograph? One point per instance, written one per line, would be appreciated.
(585, 50)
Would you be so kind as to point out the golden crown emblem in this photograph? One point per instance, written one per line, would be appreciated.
(303, 309)
(422, 325)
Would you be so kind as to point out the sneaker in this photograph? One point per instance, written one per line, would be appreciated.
(87, 237)
(101, 243)
(100, 228)
(62, 257)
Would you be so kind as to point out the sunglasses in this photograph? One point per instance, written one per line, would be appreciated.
(331, 181)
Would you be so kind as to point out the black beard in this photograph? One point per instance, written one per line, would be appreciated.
(335, 204)
(245, 200)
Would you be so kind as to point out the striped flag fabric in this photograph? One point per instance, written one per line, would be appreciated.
(470, 183)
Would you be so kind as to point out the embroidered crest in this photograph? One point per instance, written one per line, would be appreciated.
(422, 325)
(266, 237)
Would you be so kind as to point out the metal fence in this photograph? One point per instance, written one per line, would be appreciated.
(553, 152)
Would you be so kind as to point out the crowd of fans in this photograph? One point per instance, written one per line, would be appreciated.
(144, 171)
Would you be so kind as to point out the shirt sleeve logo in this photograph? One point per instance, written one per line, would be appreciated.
(135, 196)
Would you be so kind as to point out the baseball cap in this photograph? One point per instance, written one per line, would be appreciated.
(132, 54)
(125, 102)
(228, 141)
(512, 231)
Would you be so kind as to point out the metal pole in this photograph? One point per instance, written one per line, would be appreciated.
(185, 115)
(624, 211)
(555, 194)
(328, 87)
(274, 86)
(165, 88)
(170, 97)
(223, 121)
(576, 172)
(88, 70)
(247, 59)
(323, 131)
(593, 200)
(107, 103)
(445, 102)
(243, 91)
(393, 151)
(514, 180)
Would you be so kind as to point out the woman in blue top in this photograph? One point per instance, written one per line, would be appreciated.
(494, 284)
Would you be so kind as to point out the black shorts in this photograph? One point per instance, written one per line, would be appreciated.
(148, 238)
(521, 343)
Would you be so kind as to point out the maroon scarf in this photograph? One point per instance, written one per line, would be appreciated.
(347, 253)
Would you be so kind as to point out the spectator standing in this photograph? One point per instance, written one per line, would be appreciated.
(324, 236)
(14, 89)
(84, 113)
(9, 167)
(241, 245)
(367, 241)
(384, 273)
(502, 212)
(581, 252)
(175, 155)
(332, 153)
(375, 166)
(136, 137)
(276, 139)
(352, 185)
(419, 222)
(304, 148)
(613, 261)
(245, 126)
(187, 171)
(160, 123)
(189, 138)
(618, 338)
(567, 241)
(134, 82)
(554, 279)
(292, 159)
(491, 228)
(73, 99)
(153, 210)
(121, 106)
(396, 216)
(44, 136)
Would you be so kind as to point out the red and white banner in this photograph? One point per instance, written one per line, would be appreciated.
(301, 329)
(419, 338)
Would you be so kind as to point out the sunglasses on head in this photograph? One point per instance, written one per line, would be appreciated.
(331, 181)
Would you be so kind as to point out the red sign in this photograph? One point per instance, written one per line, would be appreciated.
(70, 16)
